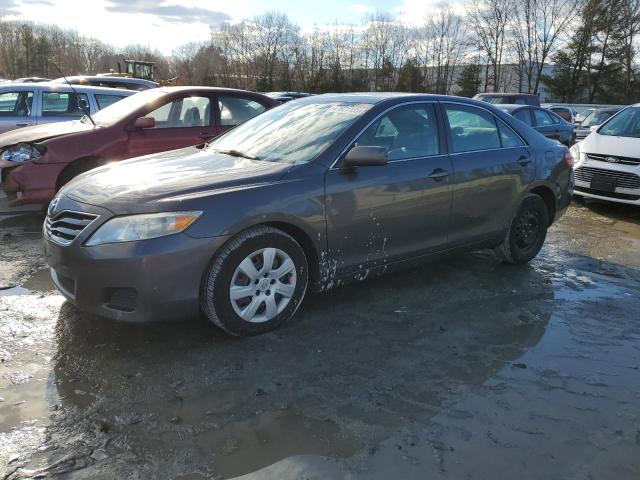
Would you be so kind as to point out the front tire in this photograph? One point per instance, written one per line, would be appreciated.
(256, 282)
(527, 232)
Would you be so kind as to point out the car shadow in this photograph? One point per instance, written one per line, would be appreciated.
(618, 211)
(358, 363)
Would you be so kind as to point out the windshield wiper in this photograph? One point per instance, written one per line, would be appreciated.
(237, 153)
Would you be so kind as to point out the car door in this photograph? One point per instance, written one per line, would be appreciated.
(377, 214)
(492, 165)
(180, 122)
(235, 109)
(543, 122)
(16, 109)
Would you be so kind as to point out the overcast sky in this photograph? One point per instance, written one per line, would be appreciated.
(166, 24)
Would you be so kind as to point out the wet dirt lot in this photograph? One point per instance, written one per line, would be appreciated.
(461, 369)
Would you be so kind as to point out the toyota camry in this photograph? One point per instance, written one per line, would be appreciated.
(310, 195)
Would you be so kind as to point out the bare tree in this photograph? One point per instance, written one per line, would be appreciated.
(489, 19)
(537, 29)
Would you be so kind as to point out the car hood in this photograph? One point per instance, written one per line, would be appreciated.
(157, 181)
(609, 145)
(42, 132)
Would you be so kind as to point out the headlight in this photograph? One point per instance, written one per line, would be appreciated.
(142, 227)
(23, 152)
(575, 153)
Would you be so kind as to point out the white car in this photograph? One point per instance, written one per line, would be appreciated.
(607, 162)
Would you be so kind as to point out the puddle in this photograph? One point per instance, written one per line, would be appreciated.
(29, 402)
(244, 447)
(40, 282)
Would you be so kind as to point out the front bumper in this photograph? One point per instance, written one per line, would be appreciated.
(627, 181)
(154, 279)
(31, 183)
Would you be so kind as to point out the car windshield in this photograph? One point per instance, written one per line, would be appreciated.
(119, 110)
(291, 133)
(624, 124)
(595, 118)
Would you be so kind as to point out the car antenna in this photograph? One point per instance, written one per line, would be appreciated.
(80, 104)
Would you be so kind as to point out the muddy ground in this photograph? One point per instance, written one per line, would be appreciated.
(462, 369)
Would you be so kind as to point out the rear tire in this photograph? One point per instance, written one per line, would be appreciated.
(255, 283)
(527, 232)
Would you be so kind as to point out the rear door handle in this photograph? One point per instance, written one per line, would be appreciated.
(439, 173)
(524, 160)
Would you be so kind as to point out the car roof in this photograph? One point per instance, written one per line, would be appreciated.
(502, 94)
(105, 78)
(510, 107)
(60, 87)
(207, 89)
(608, 109)
(365, 97)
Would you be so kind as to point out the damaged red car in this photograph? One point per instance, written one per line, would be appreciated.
(35, 162)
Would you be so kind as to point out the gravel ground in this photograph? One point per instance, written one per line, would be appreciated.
(461, 369)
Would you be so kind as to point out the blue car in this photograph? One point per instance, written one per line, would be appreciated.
(548, 123)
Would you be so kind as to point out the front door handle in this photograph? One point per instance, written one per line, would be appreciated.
(23, 124)
(438, 174)
(205, 134)
(524, 160)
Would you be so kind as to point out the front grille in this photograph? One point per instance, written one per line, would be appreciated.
(622, 160)
(63, 227)
(623, 179)
(125, 299)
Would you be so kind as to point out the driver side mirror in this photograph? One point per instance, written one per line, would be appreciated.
(144, 122)
(365, 157)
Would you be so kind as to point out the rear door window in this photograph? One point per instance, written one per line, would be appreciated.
(187, 112)
(63, 104)
(524, 116)
(234, 110)
(16, 104)
(104, 101)
(543, 119)
(472, 129)
(405, 132)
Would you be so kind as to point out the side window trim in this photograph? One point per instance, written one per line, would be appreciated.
(438, 117)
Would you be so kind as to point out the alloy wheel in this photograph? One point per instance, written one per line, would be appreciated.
(262, 285)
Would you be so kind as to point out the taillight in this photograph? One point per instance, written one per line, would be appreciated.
(568, 159)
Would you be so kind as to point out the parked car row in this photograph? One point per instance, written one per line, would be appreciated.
(309, 195)
(317, 192)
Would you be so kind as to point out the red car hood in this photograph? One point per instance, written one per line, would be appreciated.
(42, 132)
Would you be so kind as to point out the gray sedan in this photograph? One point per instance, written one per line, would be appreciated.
(310, 195)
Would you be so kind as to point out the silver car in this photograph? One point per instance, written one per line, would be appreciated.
(111, 81)
(25, 104)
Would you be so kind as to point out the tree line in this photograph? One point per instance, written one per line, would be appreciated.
(579, 50)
